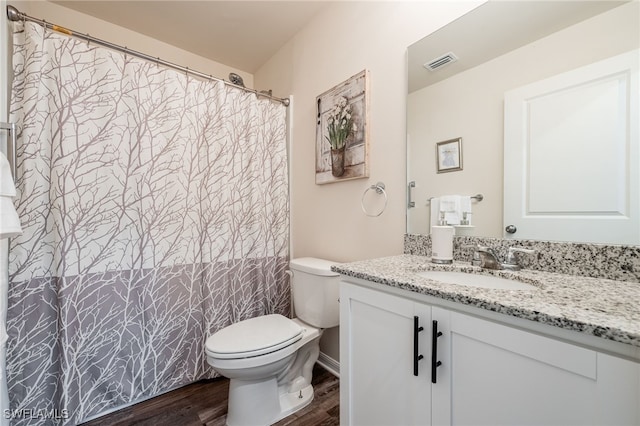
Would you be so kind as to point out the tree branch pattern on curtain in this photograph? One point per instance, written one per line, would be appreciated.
(155, 211)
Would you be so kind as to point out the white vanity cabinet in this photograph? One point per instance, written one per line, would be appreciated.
(378, 385)
(490, 373)
(504, 376)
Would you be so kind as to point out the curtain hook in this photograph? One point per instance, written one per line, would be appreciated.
(158, 61)
(44, 33)
(88, 40)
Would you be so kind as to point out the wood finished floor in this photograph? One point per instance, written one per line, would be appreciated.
(205, 403)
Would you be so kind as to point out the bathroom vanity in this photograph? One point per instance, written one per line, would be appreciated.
(418, 350)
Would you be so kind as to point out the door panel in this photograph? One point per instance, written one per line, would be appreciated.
(571, 155)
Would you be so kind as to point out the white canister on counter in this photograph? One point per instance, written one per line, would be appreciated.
(442, 244)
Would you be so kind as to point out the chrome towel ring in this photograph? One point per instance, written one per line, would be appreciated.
(380, 189)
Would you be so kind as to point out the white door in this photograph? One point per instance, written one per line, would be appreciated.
(572, 157)
(377, 383)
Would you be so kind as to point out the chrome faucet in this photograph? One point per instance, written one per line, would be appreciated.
(489, 259)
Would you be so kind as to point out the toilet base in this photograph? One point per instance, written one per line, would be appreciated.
(263, 394)
(270, 403)
(290, 402)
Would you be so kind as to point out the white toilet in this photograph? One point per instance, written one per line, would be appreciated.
(269, 359)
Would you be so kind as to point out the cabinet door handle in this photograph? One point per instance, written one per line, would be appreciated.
(434, 351)
(416, 356)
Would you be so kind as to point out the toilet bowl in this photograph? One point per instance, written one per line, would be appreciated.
(269, 359)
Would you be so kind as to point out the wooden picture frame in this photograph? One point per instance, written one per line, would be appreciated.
(342, 131)
(449, 155)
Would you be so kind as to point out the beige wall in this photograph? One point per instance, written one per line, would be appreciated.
(345, 38)
(86, 24)
(327, 220)
(470, 105)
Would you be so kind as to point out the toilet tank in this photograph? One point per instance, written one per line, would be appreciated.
(315, 291)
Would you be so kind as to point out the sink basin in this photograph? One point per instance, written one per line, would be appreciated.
(476, 280)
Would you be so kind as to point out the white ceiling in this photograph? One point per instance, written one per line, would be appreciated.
(493, 29)
(244, 34)
(240, 34)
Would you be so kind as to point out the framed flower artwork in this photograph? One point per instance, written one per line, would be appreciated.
(449, 155)
(342, 133)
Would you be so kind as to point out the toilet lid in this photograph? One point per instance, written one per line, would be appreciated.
(254, 337)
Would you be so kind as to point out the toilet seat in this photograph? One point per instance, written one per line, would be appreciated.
(254, 337)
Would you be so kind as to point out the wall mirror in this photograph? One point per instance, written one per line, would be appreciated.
(497, 48)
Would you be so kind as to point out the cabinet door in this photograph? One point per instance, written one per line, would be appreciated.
(505, 376)
(378, 385)
(618, 391)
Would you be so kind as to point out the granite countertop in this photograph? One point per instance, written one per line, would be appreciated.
(601, 307)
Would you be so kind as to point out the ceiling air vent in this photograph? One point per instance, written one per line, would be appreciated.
(441, 61)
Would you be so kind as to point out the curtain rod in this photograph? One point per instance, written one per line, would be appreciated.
(15, 15)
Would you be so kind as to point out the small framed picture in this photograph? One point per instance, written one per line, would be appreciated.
(449, 155)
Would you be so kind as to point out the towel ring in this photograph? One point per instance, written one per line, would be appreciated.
(379, 188)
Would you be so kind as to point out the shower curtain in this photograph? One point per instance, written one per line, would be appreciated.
(155, 211)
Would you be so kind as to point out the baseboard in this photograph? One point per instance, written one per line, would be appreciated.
(329, 364)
